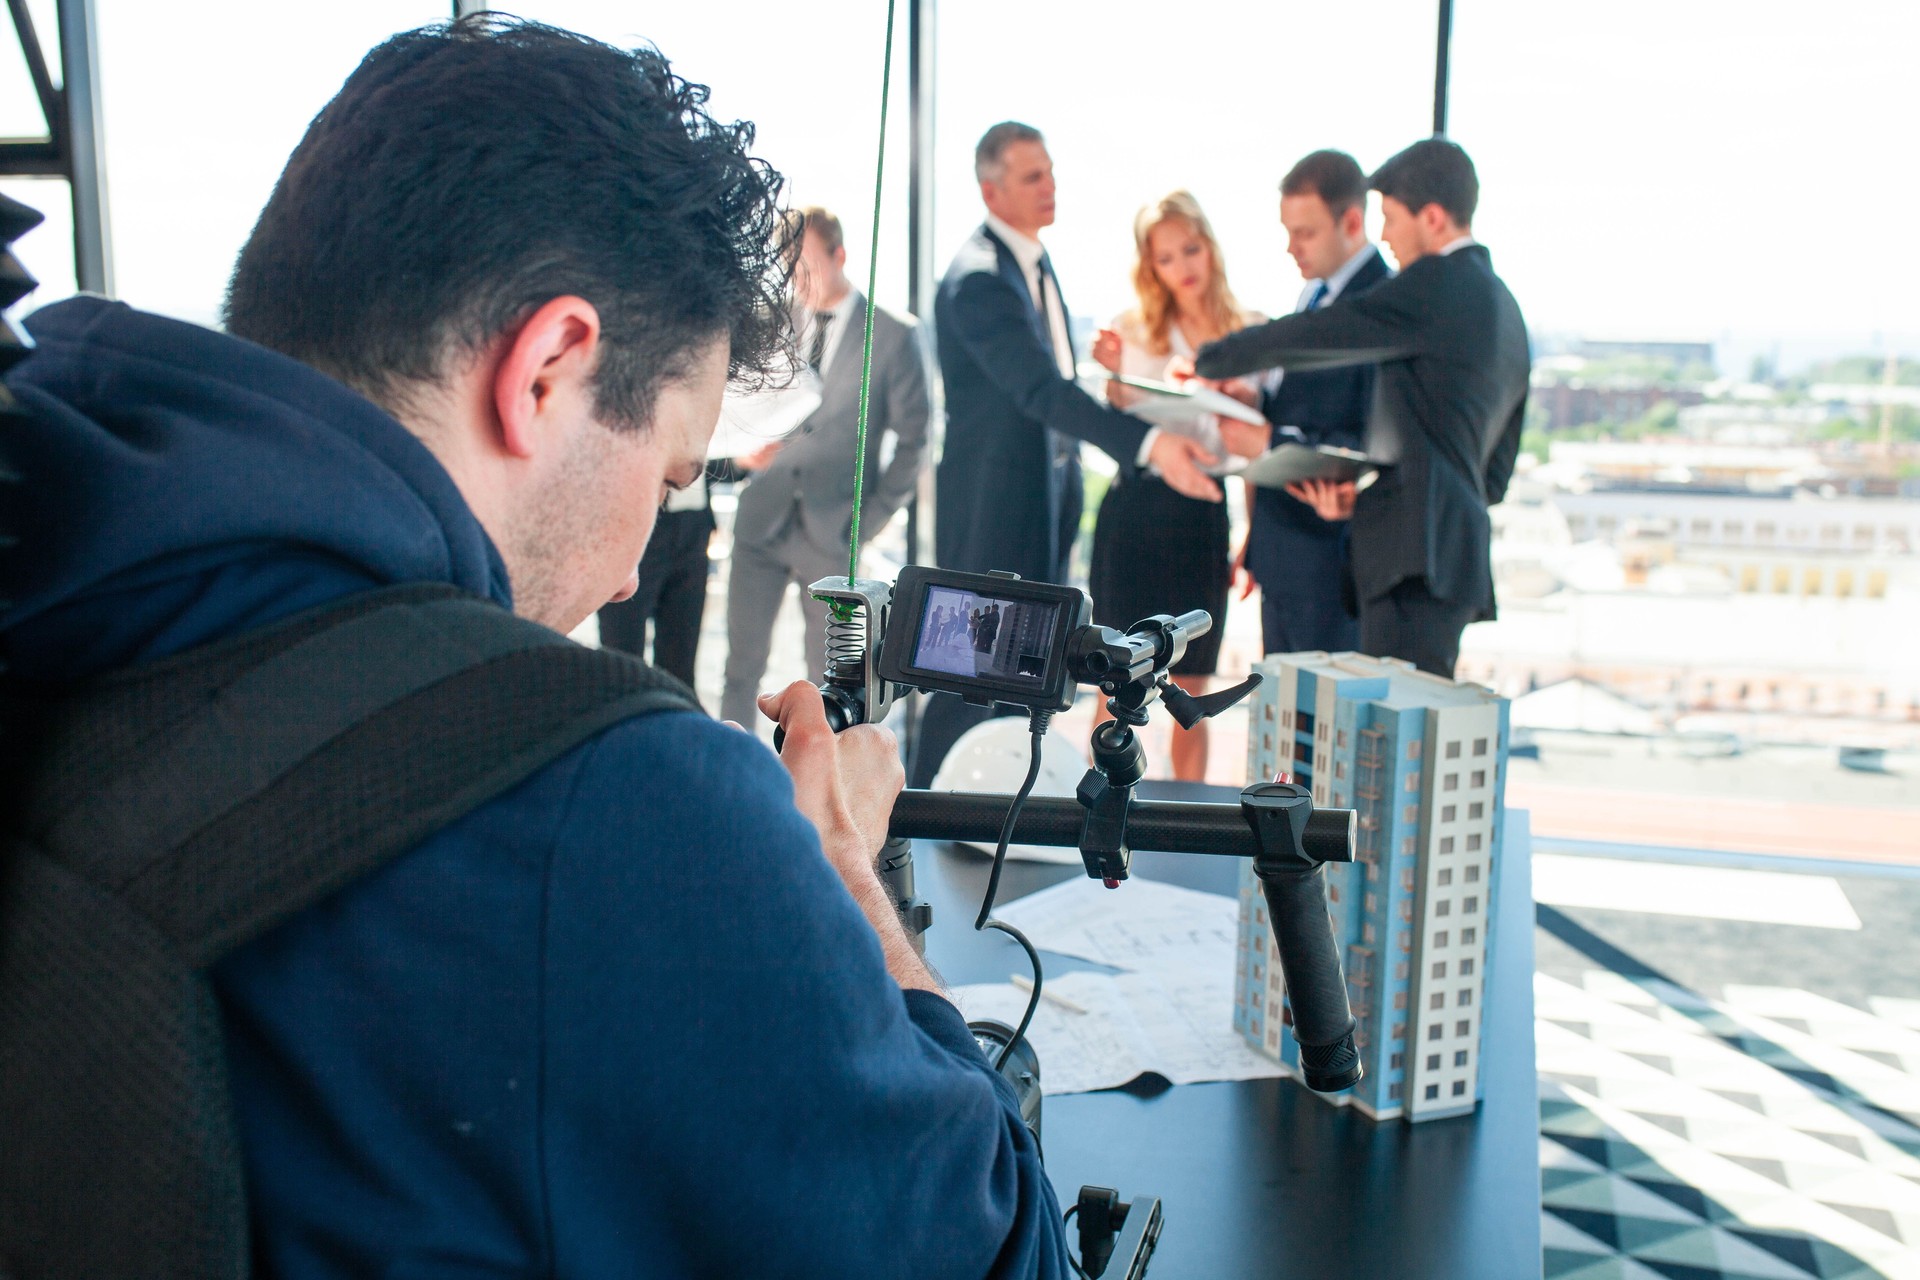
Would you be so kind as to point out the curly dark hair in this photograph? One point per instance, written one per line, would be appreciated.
(468, 172)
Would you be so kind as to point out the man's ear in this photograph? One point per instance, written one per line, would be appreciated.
(840, 257)
(548, 360)
(1353, 223)
(1435, 219)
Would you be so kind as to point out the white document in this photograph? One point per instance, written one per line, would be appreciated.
(1144, 924)
(1173, 1017)
(751, 420)
(1135, 1023)
(1171, 404)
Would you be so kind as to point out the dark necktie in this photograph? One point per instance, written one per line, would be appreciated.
(1319, 297)
(818, 347)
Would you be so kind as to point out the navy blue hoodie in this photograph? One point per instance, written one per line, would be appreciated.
(623, 1020)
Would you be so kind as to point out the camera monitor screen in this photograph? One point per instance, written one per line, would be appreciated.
(975, 636)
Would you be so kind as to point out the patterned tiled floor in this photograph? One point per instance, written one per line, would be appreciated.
(1772, 1134)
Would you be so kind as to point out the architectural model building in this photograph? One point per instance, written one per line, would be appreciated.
(1423, 760)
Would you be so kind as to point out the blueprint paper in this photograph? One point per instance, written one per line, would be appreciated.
(1172, 1012)
(1144, 924)
(1134, 1023)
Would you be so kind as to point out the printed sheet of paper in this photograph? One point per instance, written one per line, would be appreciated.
(1144, 924)
(1172, 1014)
(1134, 1023)
(751, 420)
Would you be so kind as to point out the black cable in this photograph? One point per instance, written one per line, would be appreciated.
(1071, 1260)
(1037, 722)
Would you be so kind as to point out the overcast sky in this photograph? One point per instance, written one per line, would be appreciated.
(1706, 169)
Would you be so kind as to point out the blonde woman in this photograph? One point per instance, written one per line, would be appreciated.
(1155, 551)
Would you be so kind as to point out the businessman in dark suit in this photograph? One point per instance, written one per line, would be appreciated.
(1450, 397)
(1008, 484)
(1297, 557)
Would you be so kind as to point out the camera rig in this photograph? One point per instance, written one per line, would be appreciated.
(998, 639)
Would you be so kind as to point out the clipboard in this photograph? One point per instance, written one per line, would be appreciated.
(1291, 463)
(1170, 403)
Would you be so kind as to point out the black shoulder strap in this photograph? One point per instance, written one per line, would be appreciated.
(179, 810)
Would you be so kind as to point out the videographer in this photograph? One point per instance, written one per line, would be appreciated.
(650, 1012)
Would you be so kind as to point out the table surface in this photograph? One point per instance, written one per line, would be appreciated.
(1262, 1178)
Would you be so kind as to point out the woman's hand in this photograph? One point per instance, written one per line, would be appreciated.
(1106, 350)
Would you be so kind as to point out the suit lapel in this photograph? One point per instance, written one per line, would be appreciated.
(1010, 272)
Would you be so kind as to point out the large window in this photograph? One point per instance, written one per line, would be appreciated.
(1139, 99)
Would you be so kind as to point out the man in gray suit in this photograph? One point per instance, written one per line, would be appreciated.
(796, 514)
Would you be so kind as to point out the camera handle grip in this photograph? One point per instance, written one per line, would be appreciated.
(1323, 1023)
(1275, 824)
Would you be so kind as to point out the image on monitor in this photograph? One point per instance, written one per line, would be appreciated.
(974, 636)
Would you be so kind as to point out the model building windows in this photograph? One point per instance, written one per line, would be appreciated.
(1399, 1000)
(1460, 1058)
(1467, 937)
(1433, 1062)
(1453, 751)
(1445, 877)
(1449, 812)
(1438, 1000)
(1466, 967)
(1340, 740)
(1462, 1027)
(1440, 938)
(1479, 746)
(1396, 1062)
(1450, 783)
(1366, 934)
(1446, 844)
(1406, 879)
(1439, 968)
(1393, 1091)
(1473, 843)
(1410, 815)
(1400, 972)
(1466, 997)
(1399, 1031)
(1433, 1091)
(1286, 719)
(1473, 873)
(1413, 749)
(1302, 752)
(1479, 778)
(1444, 907)
(1333, 892)
(1413, 782)
(1339, 768)
(1410, 846)
(1476, 811)
(1373, 902)
(1433, 1032)
(1459, 1088)
(1471, 905)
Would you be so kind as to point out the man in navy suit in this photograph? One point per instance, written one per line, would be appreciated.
(1008, 484)
(1448, 404)
(1297, 558)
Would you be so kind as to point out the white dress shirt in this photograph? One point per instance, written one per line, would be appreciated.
(1027, 252)
(1459, 244)
(835, 317)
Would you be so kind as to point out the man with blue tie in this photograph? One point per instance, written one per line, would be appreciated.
(1449, 347)
(1297, 558)
(1008, 484)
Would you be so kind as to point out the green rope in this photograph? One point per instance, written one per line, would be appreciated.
(873, 273)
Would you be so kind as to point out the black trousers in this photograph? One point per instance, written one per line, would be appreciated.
(672, 595)
(1410, 623)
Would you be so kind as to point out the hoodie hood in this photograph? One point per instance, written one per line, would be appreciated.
(180, 485)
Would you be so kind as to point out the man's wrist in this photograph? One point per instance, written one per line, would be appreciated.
(1146, 447)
